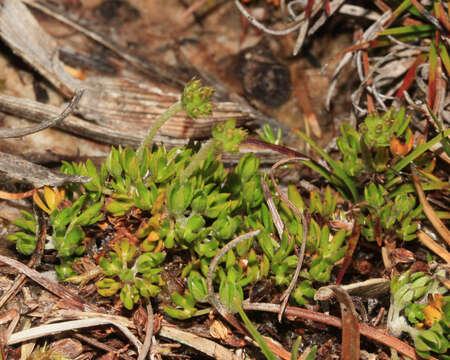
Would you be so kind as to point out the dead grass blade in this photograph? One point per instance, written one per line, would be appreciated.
(206, 346)
(428, 209)
(63, 314)
(211, 294)
(428, 241)
(276, 218)
(350, 325)
(50, 329)
(305, 224)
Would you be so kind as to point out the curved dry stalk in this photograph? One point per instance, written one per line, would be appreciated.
(51, 329)
(302, 32)
(146, 345)
(260, 26)
(62, 314)
(211, 295)
(276, 218)
(14, 133)
(305, 225)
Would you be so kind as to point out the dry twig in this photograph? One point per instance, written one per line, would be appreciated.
(305, 227)
(209, 281)
(206, 346)
(21, 170)
(53, 287)
(14, 133)
(146, 345)
(428, 241)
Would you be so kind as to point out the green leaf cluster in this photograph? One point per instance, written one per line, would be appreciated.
(368, 171)
(66, 222)
(435, 341)
(408, 291)
(379, 131)
(133, 274)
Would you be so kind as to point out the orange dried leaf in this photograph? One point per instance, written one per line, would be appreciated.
(153, 236)
(38, 201)
(399, 148)
(218, 330)
(433, 311)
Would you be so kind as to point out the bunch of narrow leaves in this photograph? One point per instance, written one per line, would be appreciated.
(369, 172)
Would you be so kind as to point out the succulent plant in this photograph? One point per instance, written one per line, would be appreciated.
(190, 206)
(67, 221)
(379, 131)
(133, 275)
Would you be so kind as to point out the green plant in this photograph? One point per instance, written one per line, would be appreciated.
(186, 201)
(133, 275)
(267, 134)
(408, 290)
(184, 204)
(436, 340)
(195, 101)
(369, 172)
(329, 250)
(67, 221)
